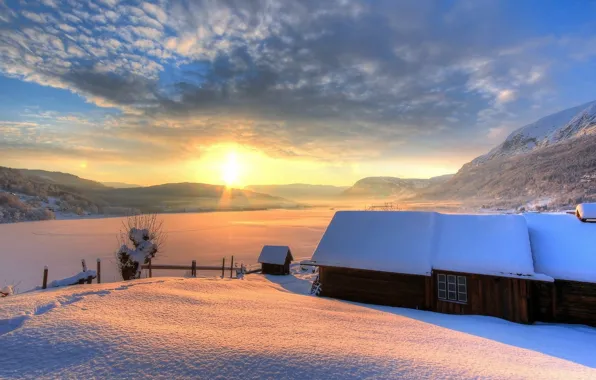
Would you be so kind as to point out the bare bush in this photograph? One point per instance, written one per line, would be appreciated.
(146, 234)
(387, 206)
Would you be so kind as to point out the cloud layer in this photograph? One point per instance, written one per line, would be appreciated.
(327, 80)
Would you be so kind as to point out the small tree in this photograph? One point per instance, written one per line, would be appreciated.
(146, 234)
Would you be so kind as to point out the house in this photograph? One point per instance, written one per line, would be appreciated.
(377, 257)
(461, 264)
(565, 249)
(275, 259)
(483, 265)
(586, 212)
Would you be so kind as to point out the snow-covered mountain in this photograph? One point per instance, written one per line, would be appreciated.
(551, 161)
(549, 130)
(392, 186)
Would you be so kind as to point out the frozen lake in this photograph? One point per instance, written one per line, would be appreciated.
(208, 237)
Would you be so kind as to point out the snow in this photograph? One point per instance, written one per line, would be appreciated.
(6, 291)
(484, 244)
(73, 279)
(274, 254)
(266, 327)
(399, 242)
(586, 210)
(563, 246)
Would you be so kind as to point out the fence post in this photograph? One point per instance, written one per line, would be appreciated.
(223, 267)
(99, 271)
(150, 271)
(193, 271)
(231, 266)
(84, 265)
(45, 277)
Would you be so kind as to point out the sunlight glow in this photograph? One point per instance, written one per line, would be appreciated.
(230, 170)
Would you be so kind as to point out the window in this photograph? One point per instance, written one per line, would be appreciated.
(452, 288)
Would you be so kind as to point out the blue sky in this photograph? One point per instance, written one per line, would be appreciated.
(333, 90)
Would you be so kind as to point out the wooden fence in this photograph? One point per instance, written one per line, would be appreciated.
(193, 268)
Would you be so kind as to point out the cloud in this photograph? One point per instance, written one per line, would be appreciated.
(325, 79)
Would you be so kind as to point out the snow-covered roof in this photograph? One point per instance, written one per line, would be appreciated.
(388, 241)
(563, 247)
(496, 245)
(274, 254)
(586, 210)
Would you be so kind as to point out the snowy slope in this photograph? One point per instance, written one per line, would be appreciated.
(257, 328)
(392, 186)
(572, 122)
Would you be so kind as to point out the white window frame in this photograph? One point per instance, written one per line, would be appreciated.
(442, 286)
(452, 288)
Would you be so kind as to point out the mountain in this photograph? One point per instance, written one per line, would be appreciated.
(60, 178)
(551, 161)
(299, 190)
(120, 185)
(392, 186)
(558, 127)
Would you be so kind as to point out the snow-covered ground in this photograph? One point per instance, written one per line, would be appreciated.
(206, 237)
(267, 327)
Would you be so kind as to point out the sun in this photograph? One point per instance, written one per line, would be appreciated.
(230, 170)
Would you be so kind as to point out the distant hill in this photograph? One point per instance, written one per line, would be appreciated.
(299, 190)
(180, 197)
(120, 185)
(551, 161)
(62, 179)
(393, 187)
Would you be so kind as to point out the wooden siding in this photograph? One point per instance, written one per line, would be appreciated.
(276, 268)
(381, 288)
(566, 302)
(502, 297)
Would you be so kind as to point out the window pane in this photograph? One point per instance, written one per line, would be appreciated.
(462, 288)
(451, 279)
(452, 296)
(442, 286)
(441, 277)
(442, 294)
(461, 280)
(463, 297)
(451, 287)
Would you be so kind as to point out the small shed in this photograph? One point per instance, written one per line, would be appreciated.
(565, 249)
(586, 212)
(275, 259)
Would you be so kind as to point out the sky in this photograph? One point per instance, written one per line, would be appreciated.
(270, 92)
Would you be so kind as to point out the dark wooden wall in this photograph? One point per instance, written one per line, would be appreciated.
(565, 302)
(381, 288)
(502, 297)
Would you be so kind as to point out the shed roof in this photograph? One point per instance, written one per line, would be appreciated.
(275, 254)
(563, 246)
(496, 245)
(388, 241)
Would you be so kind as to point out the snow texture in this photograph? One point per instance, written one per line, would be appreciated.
(399, 242)
(73, 280)
(260, 329)
(563, 246)
(274, 254)
(586, 210)
(7, 291)
(484, 244)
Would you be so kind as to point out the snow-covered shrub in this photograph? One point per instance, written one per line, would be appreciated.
(7, 291)
(145, 234)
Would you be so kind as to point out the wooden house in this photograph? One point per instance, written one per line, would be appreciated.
(565, 249)
(377, 257)
(275, 259)
(458, 264)
(483, 265)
